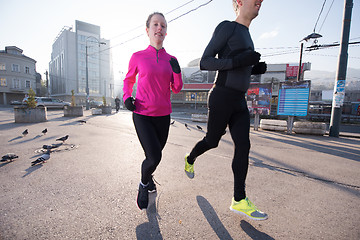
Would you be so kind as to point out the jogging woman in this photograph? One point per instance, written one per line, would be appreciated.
(157, 72)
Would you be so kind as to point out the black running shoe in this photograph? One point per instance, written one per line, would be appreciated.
(152, 186)
(143, 197)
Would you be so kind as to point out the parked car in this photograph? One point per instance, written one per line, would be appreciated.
(48, 102)
(95, 104)
(15, 102)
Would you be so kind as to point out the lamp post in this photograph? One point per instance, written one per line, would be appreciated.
(87, 70)
(307, 38)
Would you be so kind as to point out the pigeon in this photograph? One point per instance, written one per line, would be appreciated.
(172, 123)
(82, 121)
(186, 125)
(24, 133)
(200, 128)
(63, 139)
(44, 131)
(52, 146)
(9, 157)
(42, 158)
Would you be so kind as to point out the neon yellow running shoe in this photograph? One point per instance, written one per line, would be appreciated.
(248, 209)
(189, 168)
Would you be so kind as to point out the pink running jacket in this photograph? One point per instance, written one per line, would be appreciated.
(155, 78)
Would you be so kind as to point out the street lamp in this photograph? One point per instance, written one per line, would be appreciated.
(307, 38)
(87, 70)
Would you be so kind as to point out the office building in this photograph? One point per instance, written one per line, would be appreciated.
(79, 57)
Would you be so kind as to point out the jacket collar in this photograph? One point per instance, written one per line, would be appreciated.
(152, 49)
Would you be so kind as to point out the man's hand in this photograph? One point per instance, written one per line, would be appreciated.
(247, 58)
(259, 68)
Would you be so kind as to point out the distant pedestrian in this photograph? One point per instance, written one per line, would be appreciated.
(157, 72)
(117, 103)
(235, 62)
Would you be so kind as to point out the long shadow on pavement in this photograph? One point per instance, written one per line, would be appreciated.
(253, 232)
(31, 170)
(213, 218)
(340, 151)
(296, 172)
(4, 164)
(220, 229)
(150, 230)
(26, 139)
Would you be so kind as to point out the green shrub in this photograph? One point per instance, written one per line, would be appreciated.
(31, 103)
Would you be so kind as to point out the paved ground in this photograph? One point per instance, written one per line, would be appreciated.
(309, 185)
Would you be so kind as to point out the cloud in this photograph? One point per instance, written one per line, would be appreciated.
(268, 35)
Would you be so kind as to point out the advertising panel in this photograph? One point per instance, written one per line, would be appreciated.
(258, 98)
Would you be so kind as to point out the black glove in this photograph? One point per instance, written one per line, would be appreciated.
(247, 58)
(129, 104)
(259, 68)
(175, 65)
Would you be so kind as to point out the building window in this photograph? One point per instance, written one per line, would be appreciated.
(16, 83)
(82, 38)
(82, 64)
(3, 82)
(15, 68)
(27, 84)
(82, 56)
(196, 97)
(2, 66)
(82, 72)
(81, 47)
(27, 70)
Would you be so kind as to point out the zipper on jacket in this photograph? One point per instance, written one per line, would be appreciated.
(157, 56)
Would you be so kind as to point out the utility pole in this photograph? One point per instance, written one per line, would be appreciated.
(87, 78)
(300, 62)
(339, 88)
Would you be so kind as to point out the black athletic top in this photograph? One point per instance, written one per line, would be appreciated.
(228, 40)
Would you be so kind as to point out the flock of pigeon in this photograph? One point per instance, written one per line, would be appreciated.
(9, 157)
(197, 126)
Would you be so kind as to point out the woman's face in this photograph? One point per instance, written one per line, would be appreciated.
(157, 29)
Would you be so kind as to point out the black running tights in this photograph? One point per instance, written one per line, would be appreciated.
(228, 108)
(152, 133)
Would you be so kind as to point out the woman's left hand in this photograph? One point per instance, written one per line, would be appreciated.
(175, 65)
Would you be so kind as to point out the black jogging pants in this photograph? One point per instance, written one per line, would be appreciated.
(152, 133)
(228, 107)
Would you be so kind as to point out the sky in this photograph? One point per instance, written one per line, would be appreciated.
(276, 32)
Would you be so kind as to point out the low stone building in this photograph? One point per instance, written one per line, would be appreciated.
(17, 75)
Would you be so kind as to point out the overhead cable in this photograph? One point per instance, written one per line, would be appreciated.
(322, 8)
(192, 10)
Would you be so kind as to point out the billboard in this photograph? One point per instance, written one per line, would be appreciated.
(258, 98)
(292, 71)
(293, 98)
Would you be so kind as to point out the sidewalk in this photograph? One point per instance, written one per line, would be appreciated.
(185, 114)
(309, 185)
